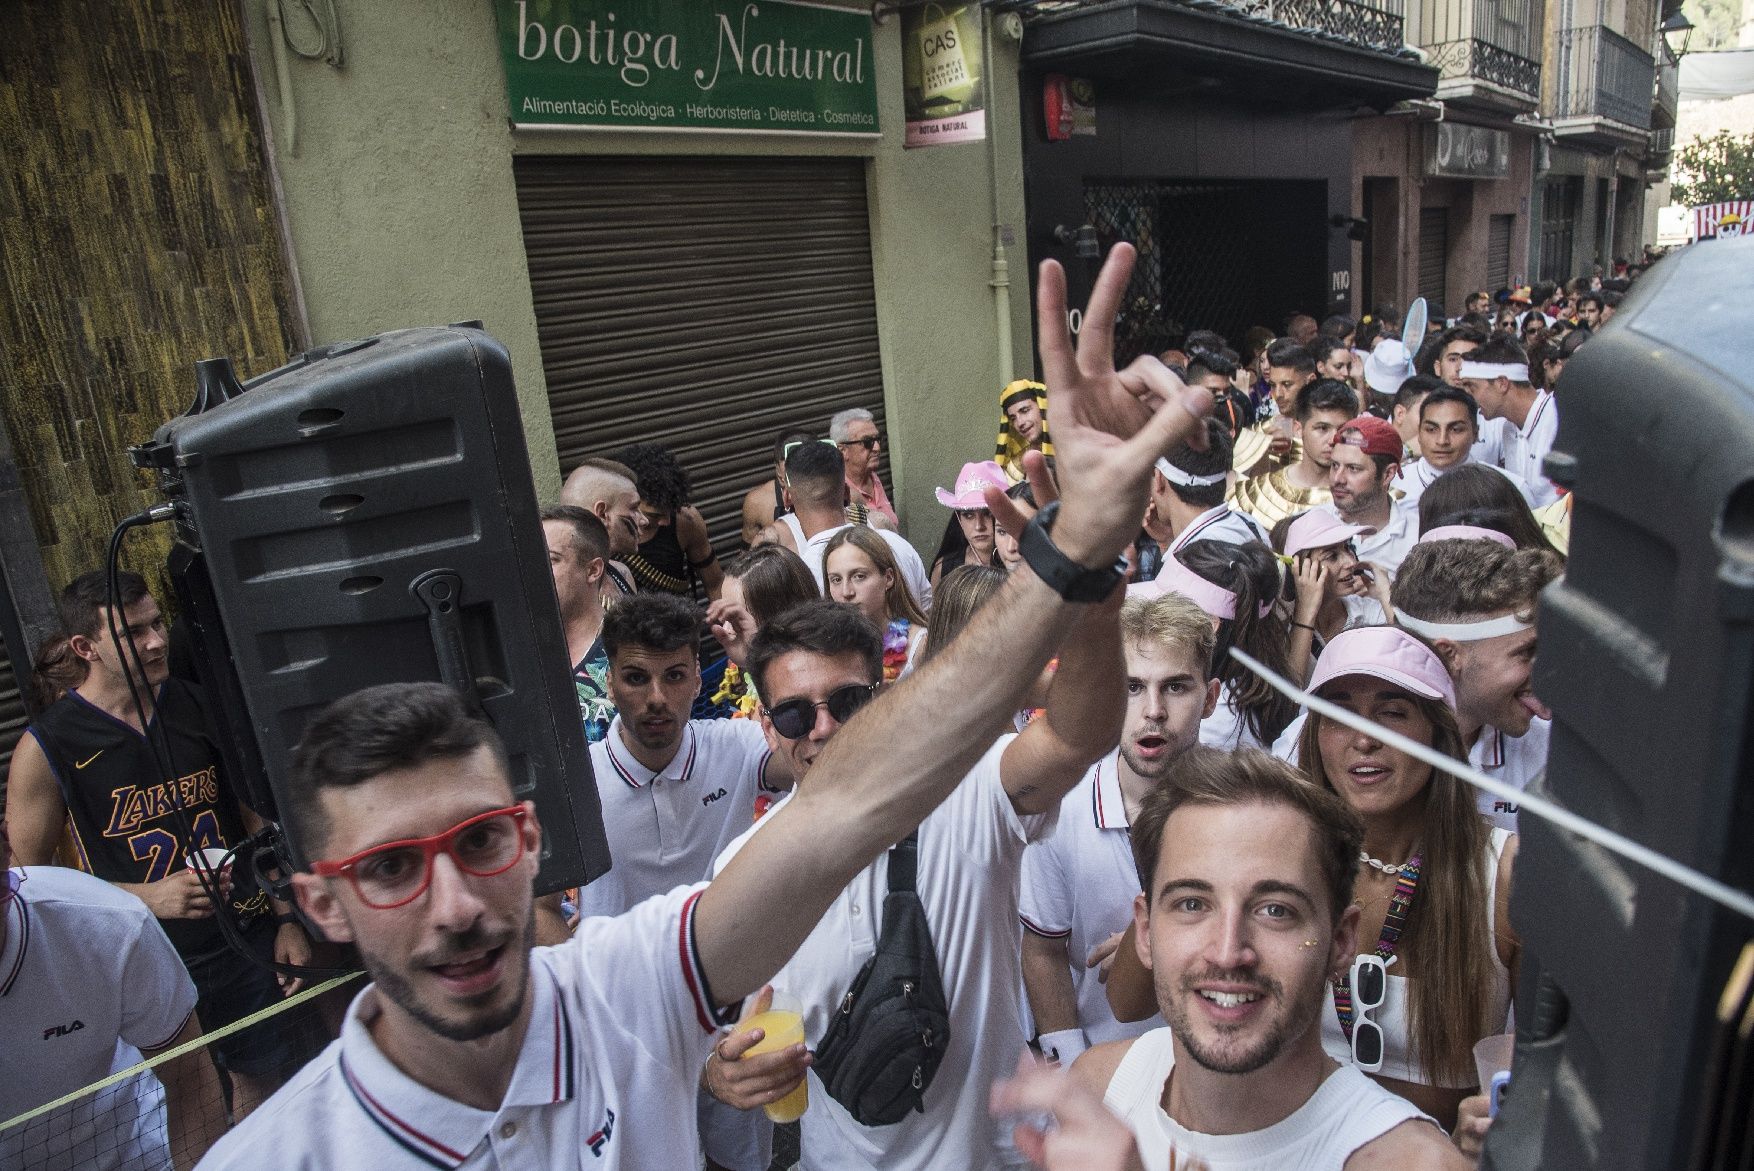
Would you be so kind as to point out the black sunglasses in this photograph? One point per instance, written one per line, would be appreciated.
(794, 718)
(869, 443)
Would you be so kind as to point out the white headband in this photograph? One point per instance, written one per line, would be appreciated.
(1187, 479)
(1463, 631)
(1515, 371)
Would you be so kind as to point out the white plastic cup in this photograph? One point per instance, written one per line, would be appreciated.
(212, 860)
(1492, 1060)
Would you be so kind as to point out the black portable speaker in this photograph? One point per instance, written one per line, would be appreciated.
(366, 515)
(1646, 656)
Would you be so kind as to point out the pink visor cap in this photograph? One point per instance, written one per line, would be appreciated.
(1387, 653)
(1176, 578)
(1317, 529)
(968, 485)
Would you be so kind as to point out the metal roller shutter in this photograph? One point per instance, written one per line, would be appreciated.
(705, 304)
(1433, 252)
(1498, 252)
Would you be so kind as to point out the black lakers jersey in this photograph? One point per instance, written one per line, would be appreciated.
(123, 811)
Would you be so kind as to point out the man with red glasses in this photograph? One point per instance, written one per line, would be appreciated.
(470, 1048)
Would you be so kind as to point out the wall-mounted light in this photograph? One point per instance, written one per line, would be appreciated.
(1356, 229)
(1082, 240)
(1677, 30)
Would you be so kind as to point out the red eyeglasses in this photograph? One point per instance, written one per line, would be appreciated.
(397, 873)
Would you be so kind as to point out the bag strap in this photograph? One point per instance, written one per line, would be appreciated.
(903, 863)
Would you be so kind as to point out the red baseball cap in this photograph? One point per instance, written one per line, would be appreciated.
(1373, 435)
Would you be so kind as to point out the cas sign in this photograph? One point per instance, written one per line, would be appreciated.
(764, 66)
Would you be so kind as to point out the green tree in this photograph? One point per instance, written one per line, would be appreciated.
(1714, 23)
(1715, 169)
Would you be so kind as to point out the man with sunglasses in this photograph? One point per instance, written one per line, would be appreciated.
(854, 431)
(1245, 917)
(470, 1048)
(817, 664)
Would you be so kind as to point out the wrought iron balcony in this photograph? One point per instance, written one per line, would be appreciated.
(1376, 24)
(1668, 86)
(1495, 43)
(1602, 76)
(1371, 24)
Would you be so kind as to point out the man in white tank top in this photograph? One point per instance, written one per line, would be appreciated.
(1246, 914)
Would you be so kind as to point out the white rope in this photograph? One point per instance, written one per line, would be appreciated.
(1728, 896)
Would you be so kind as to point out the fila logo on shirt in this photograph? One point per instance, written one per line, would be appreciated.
(1505, 807)
(711, 797)
(601, 1139)
(62, 1030)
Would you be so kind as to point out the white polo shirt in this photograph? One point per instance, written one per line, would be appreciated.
(970, 864)
(1415, 478)
(666, 827)
(87, 980)
(1391, 543)
(1078, 885)
(907, 559)
(1526, 446)
(1514, 760)
(1489, 448)
(1222, 523)
(620, 1024)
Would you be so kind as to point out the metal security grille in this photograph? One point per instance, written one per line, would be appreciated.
(1433, 253)
(1203, 248)
(1498, 252)
(705, 304)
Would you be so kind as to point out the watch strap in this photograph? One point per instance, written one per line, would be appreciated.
(1073, 582)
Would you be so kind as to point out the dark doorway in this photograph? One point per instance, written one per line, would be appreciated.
(1222, 255)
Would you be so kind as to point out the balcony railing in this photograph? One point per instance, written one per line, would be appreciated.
(1372, 24)
(1603, 75)
(1376, 24)
(1668, 84)
(1495, 41)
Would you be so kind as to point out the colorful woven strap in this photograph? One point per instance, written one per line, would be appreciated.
(1393, 924)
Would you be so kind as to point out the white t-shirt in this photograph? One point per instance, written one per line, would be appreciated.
(1390, 544)
(1489, 448)
(1515, 760)
(913, 570)
(87, 980)
(1347, 1111)
(620, 1024)
(1078, 885)
(1526, 446)
(665, 828)
(970, 865)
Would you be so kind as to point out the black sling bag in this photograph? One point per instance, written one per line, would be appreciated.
(885, 1041)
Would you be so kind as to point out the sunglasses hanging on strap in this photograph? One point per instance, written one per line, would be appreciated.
(1364, 989)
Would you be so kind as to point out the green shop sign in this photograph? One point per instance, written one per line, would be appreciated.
(768, 66)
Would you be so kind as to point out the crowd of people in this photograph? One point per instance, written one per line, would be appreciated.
(1047, 873)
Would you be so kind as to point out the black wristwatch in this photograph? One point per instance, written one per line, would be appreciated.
(1065, 577)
